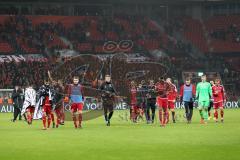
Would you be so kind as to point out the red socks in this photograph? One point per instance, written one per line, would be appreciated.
(80, 119)
(49, 121)
(160, 116)
(29, 118)
(222, 113)
(167, 117)
(163, 117)
(74, 121)
(58, 120)
(52, 117)
(216, 114)
(134, 116)
(44, 121)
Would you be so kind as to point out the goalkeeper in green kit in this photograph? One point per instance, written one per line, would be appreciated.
(203, 96)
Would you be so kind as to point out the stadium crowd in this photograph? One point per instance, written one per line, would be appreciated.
(12, 73)
(34, 72)
(87, 34)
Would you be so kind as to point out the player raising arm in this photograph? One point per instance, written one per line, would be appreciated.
(46, 94)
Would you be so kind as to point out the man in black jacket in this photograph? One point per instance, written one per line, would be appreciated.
(151, 102)
(17, 97)
(107, 95)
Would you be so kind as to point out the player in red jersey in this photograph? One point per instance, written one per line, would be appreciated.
(133, 102)
(162, 88)
(218, 99)
(171, 95)
(58, 101)
(46, 94)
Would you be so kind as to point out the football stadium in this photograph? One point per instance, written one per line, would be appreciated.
(120, 79)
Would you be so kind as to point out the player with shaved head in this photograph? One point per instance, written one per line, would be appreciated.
(75, 93)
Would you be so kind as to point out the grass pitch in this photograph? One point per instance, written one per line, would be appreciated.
(122, 140)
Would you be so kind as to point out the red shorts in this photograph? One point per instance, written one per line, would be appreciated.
(134, 108)
(171, 97)
(133, 101)
(30, 109)
(59, 109)
(217, 105)
(162, 102)
(47, 109)
(76, 107)
(171, 104)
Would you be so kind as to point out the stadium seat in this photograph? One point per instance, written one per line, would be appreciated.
(5, 48)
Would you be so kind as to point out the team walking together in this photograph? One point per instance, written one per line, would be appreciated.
(144, 99)
(164, 94)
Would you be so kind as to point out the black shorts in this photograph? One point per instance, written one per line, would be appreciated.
(210, 105)
(108, 106)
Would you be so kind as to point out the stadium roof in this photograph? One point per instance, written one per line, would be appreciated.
(118, 1)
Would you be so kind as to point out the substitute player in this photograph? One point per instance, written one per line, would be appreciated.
(171, 95)
(187, 95)
(218, 99)
(75, 92)
(162, 102)
(203, 96)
